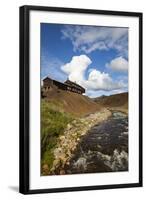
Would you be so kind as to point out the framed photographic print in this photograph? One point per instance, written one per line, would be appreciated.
(80, 99)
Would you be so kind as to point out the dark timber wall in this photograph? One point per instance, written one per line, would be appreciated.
(67, 85)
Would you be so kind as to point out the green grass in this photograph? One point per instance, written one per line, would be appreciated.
(53, 123)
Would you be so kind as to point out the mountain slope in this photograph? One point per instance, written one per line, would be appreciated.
(73, 103)
(113, 101)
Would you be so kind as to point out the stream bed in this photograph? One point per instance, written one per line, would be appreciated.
(103, 149)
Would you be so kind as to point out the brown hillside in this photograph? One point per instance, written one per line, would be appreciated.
(74, 103)
(116, 100)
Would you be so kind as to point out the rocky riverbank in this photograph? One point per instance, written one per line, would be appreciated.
(119, 109)
(68, 142)
(104, 148)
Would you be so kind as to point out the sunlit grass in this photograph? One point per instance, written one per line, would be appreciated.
(53, 123)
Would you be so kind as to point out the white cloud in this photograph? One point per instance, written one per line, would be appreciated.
(95, 81)
(90, 38)
(76, 68)
(118, 64)
(102, 81)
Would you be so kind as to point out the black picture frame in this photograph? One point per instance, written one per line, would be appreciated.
(24, 98)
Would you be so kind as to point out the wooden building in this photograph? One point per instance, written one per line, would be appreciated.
(74, 87)
(68, 85)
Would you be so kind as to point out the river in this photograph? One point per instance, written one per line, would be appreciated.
(103, 149)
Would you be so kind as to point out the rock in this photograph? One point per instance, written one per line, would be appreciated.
(74, 134)
(81, 163)
(62, 156)
(73, 148)
(45, 168)
(55, 163)
(69, 172)
(64, 145)
(62, 172)
(99, 146)
(69, 153)
(57, 152)
(62, 137)
(69, 126)
(82, 133)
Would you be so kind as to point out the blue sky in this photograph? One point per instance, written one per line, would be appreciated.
(94, 57)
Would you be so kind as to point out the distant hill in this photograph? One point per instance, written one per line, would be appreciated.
(74, 103)
(116, 100)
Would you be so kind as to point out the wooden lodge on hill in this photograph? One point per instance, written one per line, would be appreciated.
(68, 85)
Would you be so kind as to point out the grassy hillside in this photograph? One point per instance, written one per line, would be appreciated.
(53, 123)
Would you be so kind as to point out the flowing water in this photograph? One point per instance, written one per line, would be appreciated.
(103, 149)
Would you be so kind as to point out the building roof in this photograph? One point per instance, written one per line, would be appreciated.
(67, 82)
(45, 78)
(70, 83)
